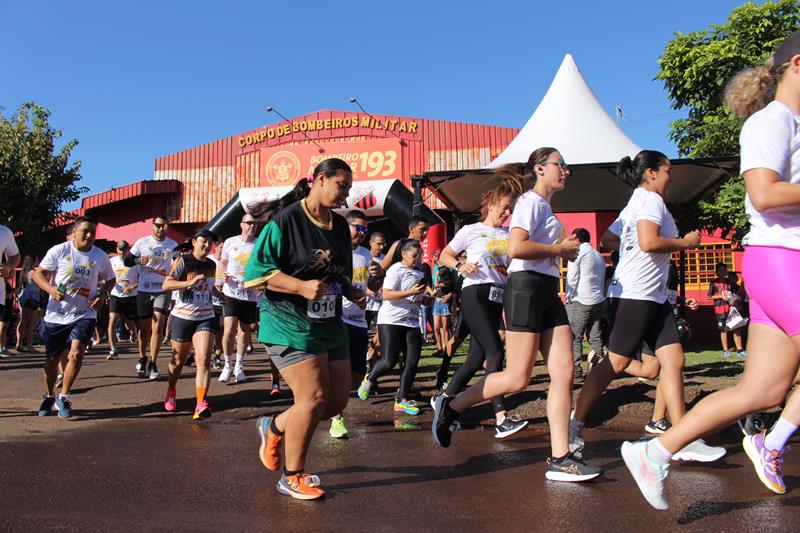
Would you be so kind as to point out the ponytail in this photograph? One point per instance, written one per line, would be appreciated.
(512, 184)
(631, 171)
(753, 88)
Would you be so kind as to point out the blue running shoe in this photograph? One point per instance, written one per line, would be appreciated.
(64, 406)
(46, 408)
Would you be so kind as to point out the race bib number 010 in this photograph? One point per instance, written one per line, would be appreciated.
(325, 307)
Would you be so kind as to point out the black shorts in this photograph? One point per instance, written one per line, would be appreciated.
(6, 313)
(149, 302)
(125, 306)
(245, 311)
(532, 304)
(182, 330)
(58, 337)
(359, 344)
(721, 320)
(640, 325)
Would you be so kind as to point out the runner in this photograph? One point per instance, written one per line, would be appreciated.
(154, 254)
(303, 259)
(639, 301)
(69, 273)
(9, 250)
(353, 314)
(29, 302)
(398, 326)
(377, 242)
(417, 231)
(770, 163)
(193, 322)
(239, 307)
(535, 316)
(123, 298)
(485, 275)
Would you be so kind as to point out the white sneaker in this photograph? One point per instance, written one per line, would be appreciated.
(648, 474)
(225, 375)
(698, 450)
(239, 373)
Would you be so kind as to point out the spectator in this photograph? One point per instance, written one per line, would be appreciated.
(720, 291)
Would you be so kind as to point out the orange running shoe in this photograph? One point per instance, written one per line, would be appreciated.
(300, 486)
(270, 450)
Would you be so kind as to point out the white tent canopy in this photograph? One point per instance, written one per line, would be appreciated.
(571, 119)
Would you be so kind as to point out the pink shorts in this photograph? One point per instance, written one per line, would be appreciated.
(773, 284)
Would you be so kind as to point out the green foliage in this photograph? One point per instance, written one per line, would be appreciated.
(695, 67)
(35, 180)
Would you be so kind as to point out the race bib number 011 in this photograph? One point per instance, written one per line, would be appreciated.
(325, 307)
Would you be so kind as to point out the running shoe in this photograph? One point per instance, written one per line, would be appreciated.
(657, 427)
(406, 424)
(725, 355)
(270, 450)
(510, 425)
(238, 373)
(141, 368)
(301, 486)
(445, 421)
(570, 468)
(576, 441)
(112, 354)
(64, 406)
(408, 407)
(4, 353)
(742, 353)
(766, 462)
(59, 379)
(225, 375)
(46, 407)
(363, 389)
(433, 401)
(249, 349)
(153, 370)
(201, 411)
(338, 429)
(170, 401)
(698, 450)
(752, 424)
(648, 474)
(275, 393)
(216, 363)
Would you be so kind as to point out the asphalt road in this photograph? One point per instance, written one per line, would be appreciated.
(123, 464)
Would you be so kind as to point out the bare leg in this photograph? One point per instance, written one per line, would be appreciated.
(556, 349)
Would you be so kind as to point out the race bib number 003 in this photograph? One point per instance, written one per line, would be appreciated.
(325, 307)
(496, 294)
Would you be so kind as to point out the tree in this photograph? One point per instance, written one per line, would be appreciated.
(695, 67)
(35, 180)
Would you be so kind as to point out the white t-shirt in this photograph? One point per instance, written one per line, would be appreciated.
(236, 252)
(770, 139)
(123, 275)
(486, 246)
(80, 273)
(351, 313)
(585, 276)
(195, 302)
(373, 304)
(159, 259)
(404, 311)
(8, 247)
(642, 275)
(533, 214)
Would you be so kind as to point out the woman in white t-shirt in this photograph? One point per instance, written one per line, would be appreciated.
(398, 326)
(485, 275)
(535, 316)
(639, 308)
(770, 163)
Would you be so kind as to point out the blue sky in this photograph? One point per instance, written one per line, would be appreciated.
(136, 81)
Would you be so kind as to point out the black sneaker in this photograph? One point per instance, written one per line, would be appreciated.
(658, 427)
(46, 408)
(441, 378)
(445, 421)
(216, 363)
(577, 374)
(510, 425)
(752, 424)
(153, 370)
(141, 368)
(570, 469)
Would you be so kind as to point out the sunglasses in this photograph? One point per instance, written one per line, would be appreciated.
(159, 226)
(250, 222)
(360, 228)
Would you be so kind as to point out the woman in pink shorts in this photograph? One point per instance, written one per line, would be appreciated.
(770, 163)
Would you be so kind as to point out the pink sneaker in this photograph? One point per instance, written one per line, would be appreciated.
(201, 411)
(170, 401)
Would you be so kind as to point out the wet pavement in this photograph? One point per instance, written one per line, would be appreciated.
(122, 464)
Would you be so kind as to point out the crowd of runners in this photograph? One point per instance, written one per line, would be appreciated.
(335, 316)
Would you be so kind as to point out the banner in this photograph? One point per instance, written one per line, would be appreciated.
(374, 159)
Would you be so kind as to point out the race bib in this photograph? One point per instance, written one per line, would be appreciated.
(324, 307)
(496, 294)
(672, 296)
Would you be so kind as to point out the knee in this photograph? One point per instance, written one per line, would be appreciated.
(618, 364)
(517, 382)
(74, 356)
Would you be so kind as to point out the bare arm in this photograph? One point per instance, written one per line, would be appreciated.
(391, 294)
(12, 262)
(520, 247)
(42, 279)
(172, 284)
(284, 283)
(767, 191)
(387, 260)
(651, 242)
(610, 241)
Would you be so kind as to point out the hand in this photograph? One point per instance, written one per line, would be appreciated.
(5, 271)
(418, 289)
(125, 289)
(371, 293)
(55, 294)
(375, 270)
(467, 269)
(98, 302)
(143, 259)
(692, 304)
(568, 248)
(692, 239)
(313, 289)
(198, 279)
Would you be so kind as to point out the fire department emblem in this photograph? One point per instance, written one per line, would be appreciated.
(283, 168)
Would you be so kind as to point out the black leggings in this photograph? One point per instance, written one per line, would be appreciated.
(396, 339)
(482, 319)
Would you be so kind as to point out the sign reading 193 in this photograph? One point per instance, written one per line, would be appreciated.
(375, 163)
